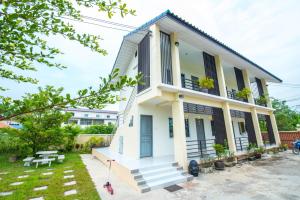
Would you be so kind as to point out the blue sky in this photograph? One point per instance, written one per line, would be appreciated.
(264, 31)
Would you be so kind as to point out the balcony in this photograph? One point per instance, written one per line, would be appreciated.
(260, 102)
(192, 85)
(231, 94)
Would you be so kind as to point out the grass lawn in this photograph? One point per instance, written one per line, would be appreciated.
(55, 182)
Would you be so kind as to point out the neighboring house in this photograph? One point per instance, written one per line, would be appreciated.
(12, 124)
(170, 118)
(86, 117)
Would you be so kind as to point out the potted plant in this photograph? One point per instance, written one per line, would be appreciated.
(206, 83)
(262, 100)
(220, 150)
(258, 152)
(283, 147)
(251, 151)
(244, 93)
(229, 159)
(206, 166)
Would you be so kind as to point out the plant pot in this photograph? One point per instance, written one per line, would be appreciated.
(229, 163)
(12, 158)
(206, 170)
(205, 90)
(219, 165)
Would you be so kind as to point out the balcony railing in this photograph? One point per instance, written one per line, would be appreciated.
(231, 94)
(200, 148)
(241, 143)
(192, 85)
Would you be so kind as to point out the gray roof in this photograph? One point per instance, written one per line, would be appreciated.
(91, 110)
(186, 24)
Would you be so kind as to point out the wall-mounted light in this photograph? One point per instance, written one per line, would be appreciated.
(176, 44)
(181, 96)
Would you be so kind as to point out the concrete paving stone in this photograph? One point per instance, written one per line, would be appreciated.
(70, 192)
(3, 173)
(66, 167)
(70, 183)
(68, 171)
(68, 176)
(40, 188)
(47, 173)
(38, 198)
(24, 176)
(16, 183)
(2, 194)
(50, 169)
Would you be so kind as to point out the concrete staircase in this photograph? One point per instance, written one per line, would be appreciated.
(159, 176)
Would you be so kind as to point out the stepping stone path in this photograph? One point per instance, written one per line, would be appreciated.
(3, 173)
(2, 194)
(38, 198)
(68, 171)
(16, 183)
(29, 171)
(68, 176)
(70, 192)
(0, 178)
(67, 167)
(50, 169)
(24, 176)
(40, 188)
(47, 173)
(70, 183)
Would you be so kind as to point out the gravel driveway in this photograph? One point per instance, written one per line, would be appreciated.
(276, 177)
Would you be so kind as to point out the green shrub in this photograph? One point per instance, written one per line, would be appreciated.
(94, 142)
(69, 134)
(207, 83)
(220, 150)
(99, 129)
(244, 93)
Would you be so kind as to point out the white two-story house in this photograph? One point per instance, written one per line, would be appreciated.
(171, 118)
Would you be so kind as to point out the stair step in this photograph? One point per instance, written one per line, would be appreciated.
(165, 182)
(153, 167)
(157, 177)
(155, 171)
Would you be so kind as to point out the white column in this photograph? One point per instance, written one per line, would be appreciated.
(155, 57)
(256, 127)
(175, 61)
(229, 128)
(180, 151)
(221, 77)
(247, 85)
(275, 129)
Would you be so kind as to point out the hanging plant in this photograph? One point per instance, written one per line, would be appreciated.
(244, 93)
(206, 83)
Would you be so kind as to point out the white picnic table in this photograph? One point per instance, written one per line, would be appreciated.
(46, 154)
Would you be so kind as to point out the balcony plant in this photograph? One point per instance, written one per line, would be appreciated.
(258, 152)
(262, 100)
(244, 93)
(220, 151)
(206, 83)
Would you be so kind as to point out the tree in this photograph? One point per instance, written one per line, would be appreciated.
(286, 118)
(25, 23)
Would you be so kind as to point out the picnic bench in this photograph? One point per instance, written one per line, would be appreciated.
(43, 161)
(27, 161)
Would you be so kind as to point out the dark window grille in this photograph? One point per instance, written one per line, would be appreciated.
(187, 127)
(166, 58)
(171, 127)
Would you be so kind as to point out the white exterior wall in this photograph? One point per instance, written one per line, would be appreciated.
(132, 71)
(162, 143)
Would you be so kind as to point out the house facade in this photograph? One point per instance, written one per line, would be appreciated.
(171, 114)
(86, 117)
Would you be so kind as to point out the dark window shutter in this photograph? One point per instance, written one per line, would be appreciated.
(144, 62)
(171, 127)
(187, 127)
(219, 124)
(166, 59)
(259, 87)
(270, 130)
(250, 128)
(211, 72)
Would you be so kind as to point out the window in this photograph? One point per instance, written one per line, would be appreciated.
(213, 129)
(98, 121)
(187, 127)
(86, 115)
(171, 127)
(108, 116)
(85, 122)
(242, 127)
(135, 54)
(97, 116)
